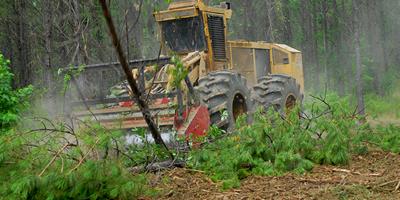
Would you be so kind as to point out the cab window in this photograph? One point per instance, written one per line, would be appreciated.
(280, 57)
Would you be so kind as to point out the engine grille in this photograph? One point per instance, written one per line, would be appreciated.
(217, 32)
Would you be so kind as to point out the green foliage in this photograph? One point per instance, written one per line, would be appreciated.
(50, 160)
(93, 180)
(390, 138)
(178, 72)
(45, 165)
(386, 107)
(54, 161)
(327, 133)
(12, 101)
(385, 137)
(68, 74)
(273, 145)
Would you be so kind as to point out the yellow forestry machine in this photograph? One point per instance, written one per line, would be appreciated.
(223, 80)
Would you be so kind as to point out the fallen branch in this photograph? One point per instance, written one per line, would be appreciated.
(194, 170)
(397, 186)
(54, 159)
(354, 172)
(84, 157)
(388, 183)
(322, 181)
(159, 166)
(54, 152)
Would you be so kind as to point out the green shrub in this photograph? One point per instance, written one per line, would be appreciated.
(55, 161)
(11, 101)
(388, 138)
(383, 106)
(328, 133)
(273, 145)
(93, 180)
(39, 165)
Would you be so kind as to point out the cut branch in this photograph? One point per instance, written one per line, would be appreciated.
(54, 159)
(159, 166)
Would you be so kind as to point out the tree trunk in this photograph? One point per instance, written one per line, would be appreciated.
(137, 94)
(376, 44)
(325, 24)
(314, 25)
(339, 67)
(270, 22)
(48, 25)
(288, 35)
(308, 55)
(22, 62)
(77, 59)
(359, 84)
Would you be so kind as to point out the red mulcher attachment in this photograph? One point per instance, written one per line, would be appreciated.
(126, 115)
(187, 118)
(193, 123)
(189, 121)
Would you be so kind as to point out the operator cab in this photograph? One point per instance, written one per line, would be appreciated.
(189, 26)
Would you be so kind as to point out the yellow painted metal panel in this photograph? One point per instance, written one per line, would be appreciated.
(175, 14)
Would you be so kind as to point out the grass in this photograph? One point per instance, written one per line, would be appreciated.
(384, 110)
(386, 107)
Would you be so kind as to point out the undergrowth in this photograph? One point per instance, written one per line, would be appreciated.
(49, 159)
(12, 101)
(328, 133)
(55, 161)
(387, 106)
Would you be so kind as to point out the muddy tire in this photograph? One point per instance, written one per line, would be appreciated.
(224, 92)
(278, 91)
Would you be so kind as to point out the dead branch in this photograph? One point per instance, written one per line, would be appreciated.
(54, 159)
(346, 171)
(323, 100)
(388, 183)
(397, 186)
(84, 157)
(158, 166)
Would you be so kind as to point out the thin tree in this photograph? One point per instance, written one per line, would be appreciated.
(359, 84)
(137, 94)
(48, 33)
(270, 22)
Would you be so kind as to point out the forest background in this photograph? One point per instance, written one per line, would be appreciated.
(41, 36)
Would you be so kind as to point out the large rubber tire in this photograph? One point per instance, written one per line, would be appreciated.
(224, 92)
(278, 91)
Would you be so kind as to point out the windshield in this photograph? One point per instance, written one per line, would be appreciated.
(184, 35)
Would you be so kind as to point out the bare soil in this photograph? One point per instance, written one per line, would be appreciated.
(373, 176)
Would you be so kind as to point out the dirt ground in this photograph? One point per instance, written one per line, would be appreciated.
(373, 176)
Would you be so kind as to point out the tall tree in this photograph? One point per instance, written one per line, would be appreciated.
(374, 34)
(357, 49)
(23, 65)
(48, 37)
(270, 21)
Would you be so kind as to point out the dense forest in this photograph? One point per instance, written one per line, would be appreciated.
(41, 36)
